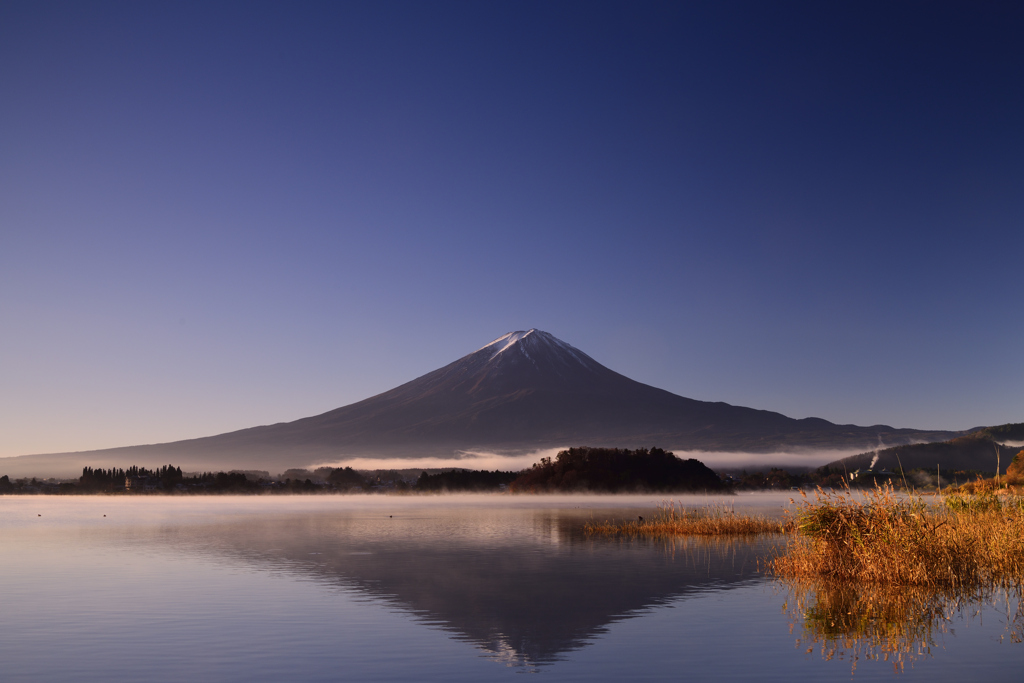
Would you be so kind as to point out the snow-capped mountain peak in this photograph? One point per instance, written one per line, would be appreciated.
(507, 341)
(534, 340)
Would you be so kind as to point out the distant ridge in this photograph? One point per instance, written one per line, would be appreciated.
(524, 391)
(974, 451)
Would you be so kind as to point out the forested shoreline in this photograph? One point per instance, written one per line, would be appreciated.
(575, 470)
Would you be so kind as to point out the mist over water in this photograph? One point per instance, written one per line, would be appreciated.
(34, 512)
(373, 587)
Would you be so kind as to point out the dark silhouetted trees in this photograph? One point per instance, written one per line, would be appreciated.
(346, 478)
(99, 479)
(614, 470)
(465, 480)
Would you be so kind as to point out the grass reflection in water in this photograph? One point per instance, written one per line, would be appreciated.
(871, 575)
(897, 624)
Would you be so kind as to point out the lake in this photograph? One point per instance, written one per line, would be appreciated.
(453, 588)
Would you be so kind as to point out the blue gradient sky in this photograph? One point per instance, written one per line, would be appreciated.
(217, 215)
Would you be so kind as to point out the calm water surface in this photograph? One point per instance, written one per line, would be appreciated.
(455, 588)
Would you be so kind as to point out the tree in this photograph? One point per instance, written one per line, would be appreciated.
(617, 470)
(1016, 468)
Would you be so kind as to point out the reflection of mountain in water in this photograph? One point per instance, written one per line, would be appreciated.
(526, 586)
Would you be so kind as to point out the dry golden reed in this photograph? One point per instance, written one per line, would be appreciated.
(1008, 484)
(876, 537)
(888, 539)
(711, 520)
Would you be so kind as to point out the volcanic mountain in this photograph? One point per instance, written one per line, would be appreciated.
(523, 391)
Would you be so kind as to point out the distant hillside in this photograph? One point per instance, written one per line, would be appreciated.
(975, 451)
(522, 392)
(1009, 433)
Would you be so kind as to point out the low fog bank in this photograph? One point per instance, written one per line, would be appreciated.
(470, 460)
(720, 461)
(41, 466)
(69, 466)
(39, 512)
(794, 461)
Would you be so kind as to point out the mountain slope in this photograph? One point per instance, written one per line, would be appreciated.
(975, 451)
(525, 390)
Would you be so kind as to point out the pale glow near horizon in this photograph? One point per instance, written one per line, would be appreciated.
(497, 461)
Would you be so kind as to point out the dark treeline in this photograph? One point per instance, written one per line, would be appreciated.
(465, 480)
(837, 478)
(346, 477)
(99, 479)
(777, 478)
(171, 480)
(607, 470)
(615, 470)
(166, 479)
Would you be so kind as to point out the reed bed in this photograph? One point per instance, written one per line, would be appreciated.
(710, 520)
(876, 537)
(883, 538)
(1010, 484)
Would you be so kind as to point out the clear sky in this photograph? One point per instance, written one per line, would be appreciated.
(218, 215)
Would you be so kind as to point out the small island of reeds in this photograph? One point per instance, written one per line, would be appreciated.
(886, 538)
(876, 537)
(678, 520)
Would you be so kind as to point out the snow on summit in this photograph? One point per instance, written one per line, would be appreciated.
(507, 341)
(537, 339)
